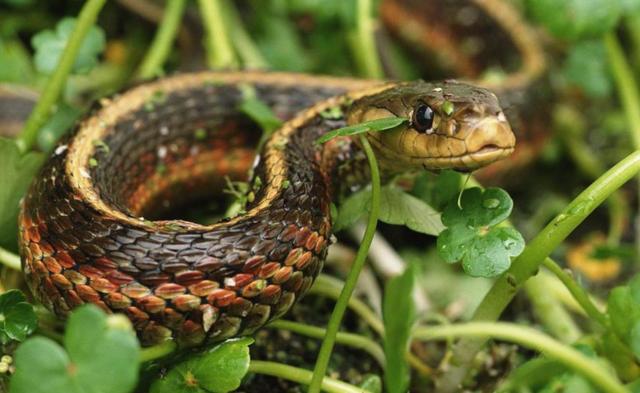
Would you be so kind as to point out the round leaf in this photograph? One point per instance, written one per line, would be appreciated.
(49, 46)
(219, 370)
(20, 321)
(101, 357)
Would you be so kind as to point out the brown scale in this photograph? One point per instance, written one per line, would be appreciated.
(173, 278)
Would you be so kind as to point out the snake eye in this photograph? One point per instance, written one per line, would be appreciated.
(423, 118)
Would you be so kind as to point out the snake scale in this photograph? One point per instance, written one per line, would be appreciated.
(92, 227)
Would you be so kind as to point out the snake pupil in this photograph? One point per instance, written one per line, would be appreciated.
(423, 118)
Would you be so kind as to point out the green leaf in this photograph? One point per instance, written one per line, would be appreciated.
(400, 208)
(399, 315)
(576, 19)
(623, 312)
(360, 128)
(635, 339)
(218, 370)
(17, 172)
(473, 237)
(396, 207)
(101, 356)
(49, 45)
(479, 208)
(634, 287)
(586, 67)
(438, 193)
(258, 111)
(16, 63)
(17, 318)
(57, 125)
(352, 208)
(371, 383)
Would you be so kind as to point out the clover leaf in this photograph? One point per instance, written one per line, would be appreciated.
(218, 370)
(49, 46)
(17, 171)
(101, 355)
(17, 318)
(473, 237)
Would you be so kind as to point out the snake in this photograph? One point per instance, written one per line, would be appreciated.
(97, 225)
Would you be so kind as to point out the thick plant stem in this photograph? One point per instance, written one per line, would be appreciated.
(9, 259)
(530, 338)
(627, 88)
(626, 84)
(56, 82)
(550, 312)
(333, 326)
(348, 339)
(300, 375)
(578, 293)
(220, 53)
(161, 46)
(527, 264)
(364, 43)
(244, 45)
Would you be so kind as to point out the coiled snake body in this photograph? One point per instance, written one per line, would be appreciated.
(90, 230)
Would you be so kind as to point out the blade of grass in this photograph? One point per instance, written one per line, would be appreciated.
(165, 36)
(56, 82)
(333, 326)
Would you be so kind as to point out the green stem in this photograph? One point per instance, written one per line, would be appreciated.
(550, 312)
(165, 35)
(157, 351)
(578, 293)
(626, 84)
(530, 338)
(349, 339)
(9, 259)
(364, 42)
(324, 355)
(56, 82)
(300, 375)
(632, 24)
(218, 46)
(241, 40)
(324, 286)
(527, 264)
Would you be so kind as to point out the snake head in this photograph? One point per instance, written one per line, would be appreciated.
(451, 125)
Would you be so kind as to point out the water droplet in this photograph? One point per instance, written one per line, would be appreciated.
(580, 207)
(561, 217)
(508, 243)
(491, 203)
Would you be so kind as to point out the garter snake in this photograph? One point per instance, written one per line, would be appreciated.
(92, 227)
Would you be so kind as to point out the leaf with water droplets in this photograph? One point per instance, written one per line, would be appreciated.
(473, 236)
